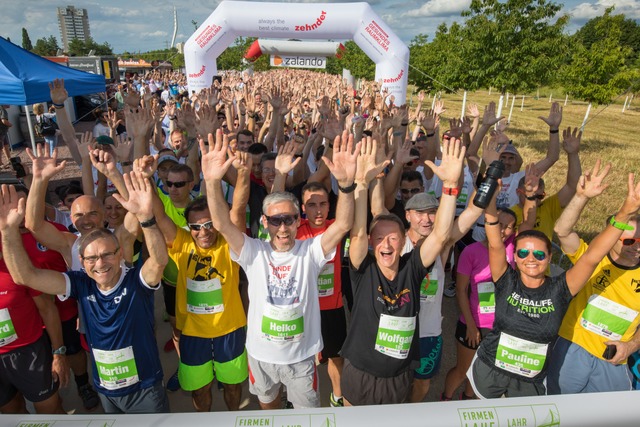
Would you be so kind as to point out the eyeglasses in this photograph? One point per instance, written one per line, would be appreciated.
(628, 241)
(267, 171)
(410, 190)
(177, 184)
(278, 220)
(539, 255)
(105, 256)
(197, 227)
(540, 196)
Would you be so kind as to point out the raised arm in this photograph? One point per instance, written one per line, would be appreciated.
(43, 169)
(214, 165)
(553, 150)
(497, 252)
(449, 172)
(140, 204)
(590, 185)
(600, 246)
(571, 144)
(58, 96)
(238, 212)
(529, 209)
(285, 163)
(12, 211)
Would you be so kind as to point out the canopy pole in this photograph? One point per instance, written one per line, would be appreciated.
(31, 134)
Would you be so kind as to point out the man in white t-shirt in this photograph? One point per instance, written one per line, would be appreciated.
(283, 331)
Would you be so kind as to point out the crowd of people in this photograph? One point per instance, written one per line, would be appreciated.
(292, 220)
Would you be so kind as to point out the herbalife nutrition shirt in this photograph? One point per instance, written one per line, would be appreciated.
(284, 314)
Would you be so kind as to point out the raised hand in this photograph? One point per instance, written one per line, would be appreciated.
(57, 91)
(186, 118)
(122, 148)
(491, 150)
(452, 162)
(243, 162)
(473, 111)
(555, 116)
(103, 161)
(403, 153)
(489, 117)
(631, 204)
(438, 108)
(11, 208)
(215, 162)
(132, 98)
(590, 184)
(206, 121)
(139, 121)
(44, 166)
(571, 140)
(430, 121)
(455, 128)
(369, 164)
(343, 164)
(140, 202)
(112, 120)
(146, 165)
(285, 161)
(531, 179)
(86, 145)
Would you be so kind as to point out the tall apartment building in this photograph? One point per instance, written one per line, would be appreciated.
(74, 24)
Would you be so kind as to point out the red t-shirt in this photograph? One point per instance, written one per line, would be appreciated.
(330, 280)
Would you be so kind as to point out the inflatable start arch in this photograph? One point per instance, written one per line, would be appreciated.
(353, 21)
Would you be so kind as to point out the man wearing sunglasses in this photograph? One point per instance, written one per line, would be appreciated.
(208, 308)
(606, 312)
(548, 209)
(116, 302)
(283, 334)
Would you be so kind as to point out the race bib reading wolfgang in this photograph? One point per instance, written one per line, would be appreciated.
(326, 280)
(7, 331)
(520, 356)
(607, 318)
(282, 324)
(116, 368)
(204, 297)
(395, 335)
(486, 298)
(429, 287)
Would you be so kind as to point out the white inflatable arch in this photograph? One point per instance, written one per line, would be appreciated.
(338, 21)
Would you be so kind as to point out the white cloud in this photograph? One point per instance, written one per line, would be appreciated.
(586, 11)
(439, 8)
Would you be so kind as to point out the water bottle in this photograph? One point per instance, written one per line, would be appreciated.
(489, 185)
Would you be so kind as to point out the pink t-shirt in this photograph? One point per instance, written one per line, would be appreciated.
(474, 262)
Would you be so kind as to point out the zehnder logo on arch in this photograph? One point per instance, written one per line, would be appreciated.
(310, 27)
(198, 74)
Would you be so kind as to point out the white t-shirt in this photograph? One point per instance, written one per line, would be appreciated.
(99, 130)
(430, 317)
(284, 314)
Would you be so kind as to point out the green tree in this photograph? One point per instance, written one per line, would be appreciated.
(26, 41)
(629, 34)
(353, 59)
(599, 73)
(78, 47)
(231, 58)
(514, 45)
(46, 46)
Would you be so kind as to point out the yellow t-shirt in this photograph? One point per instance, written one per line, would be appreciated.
(546, 215)
(606, 309)
(208, 303)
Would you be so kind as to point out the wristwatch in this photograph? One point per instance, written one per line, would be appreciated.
(60, 351)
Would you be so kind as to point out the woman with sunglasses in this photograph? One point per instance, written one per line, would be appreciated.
(512, 359)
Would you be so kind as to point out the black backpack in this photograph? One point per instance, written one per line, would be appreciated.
(46, 126)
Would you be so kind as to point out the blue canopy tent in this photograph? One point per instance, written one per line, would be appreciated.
(25, 78)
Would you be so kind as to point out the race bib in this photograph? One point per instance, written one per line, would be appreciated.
(395, 335)
(7, 331)
(520, 356)
(282, 324)
(204, 297)
(429, 286)
(607, 318)
(486, 298)
(116, 368)
(326, 280)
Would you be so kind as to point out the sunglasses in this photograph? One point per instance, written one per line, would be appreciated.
(410, 190)
(539, 255)
(278, 220)
(630, 241)
(197, 227)
(177, 184)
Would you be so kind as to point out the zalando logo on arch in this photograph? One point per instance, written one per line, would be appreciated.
(313, 26)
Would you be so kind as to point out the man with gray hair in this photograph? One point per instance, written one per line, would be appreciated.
(283, 332)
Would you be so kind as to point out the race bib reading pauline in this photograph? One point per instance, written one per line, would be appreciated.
(429, 287)
(607, 318)
(486, 298)
(7, 331)
(395, 335)
(325, 281)
(116, 368)
(204, 297)
(282, 324)
(520, 356)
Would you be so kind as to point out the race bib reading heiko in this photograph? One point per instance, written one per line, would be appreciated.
(282, 324)
(204, 297)
(395, 335)
(116, 368)
(520, 356)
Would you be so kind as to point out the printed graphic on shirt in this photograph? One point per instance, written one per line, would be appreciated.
(282, 286)
(204, 288)
(529, 307)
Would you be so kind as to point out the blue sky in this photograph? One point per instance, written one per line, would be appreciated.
(148, 24)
